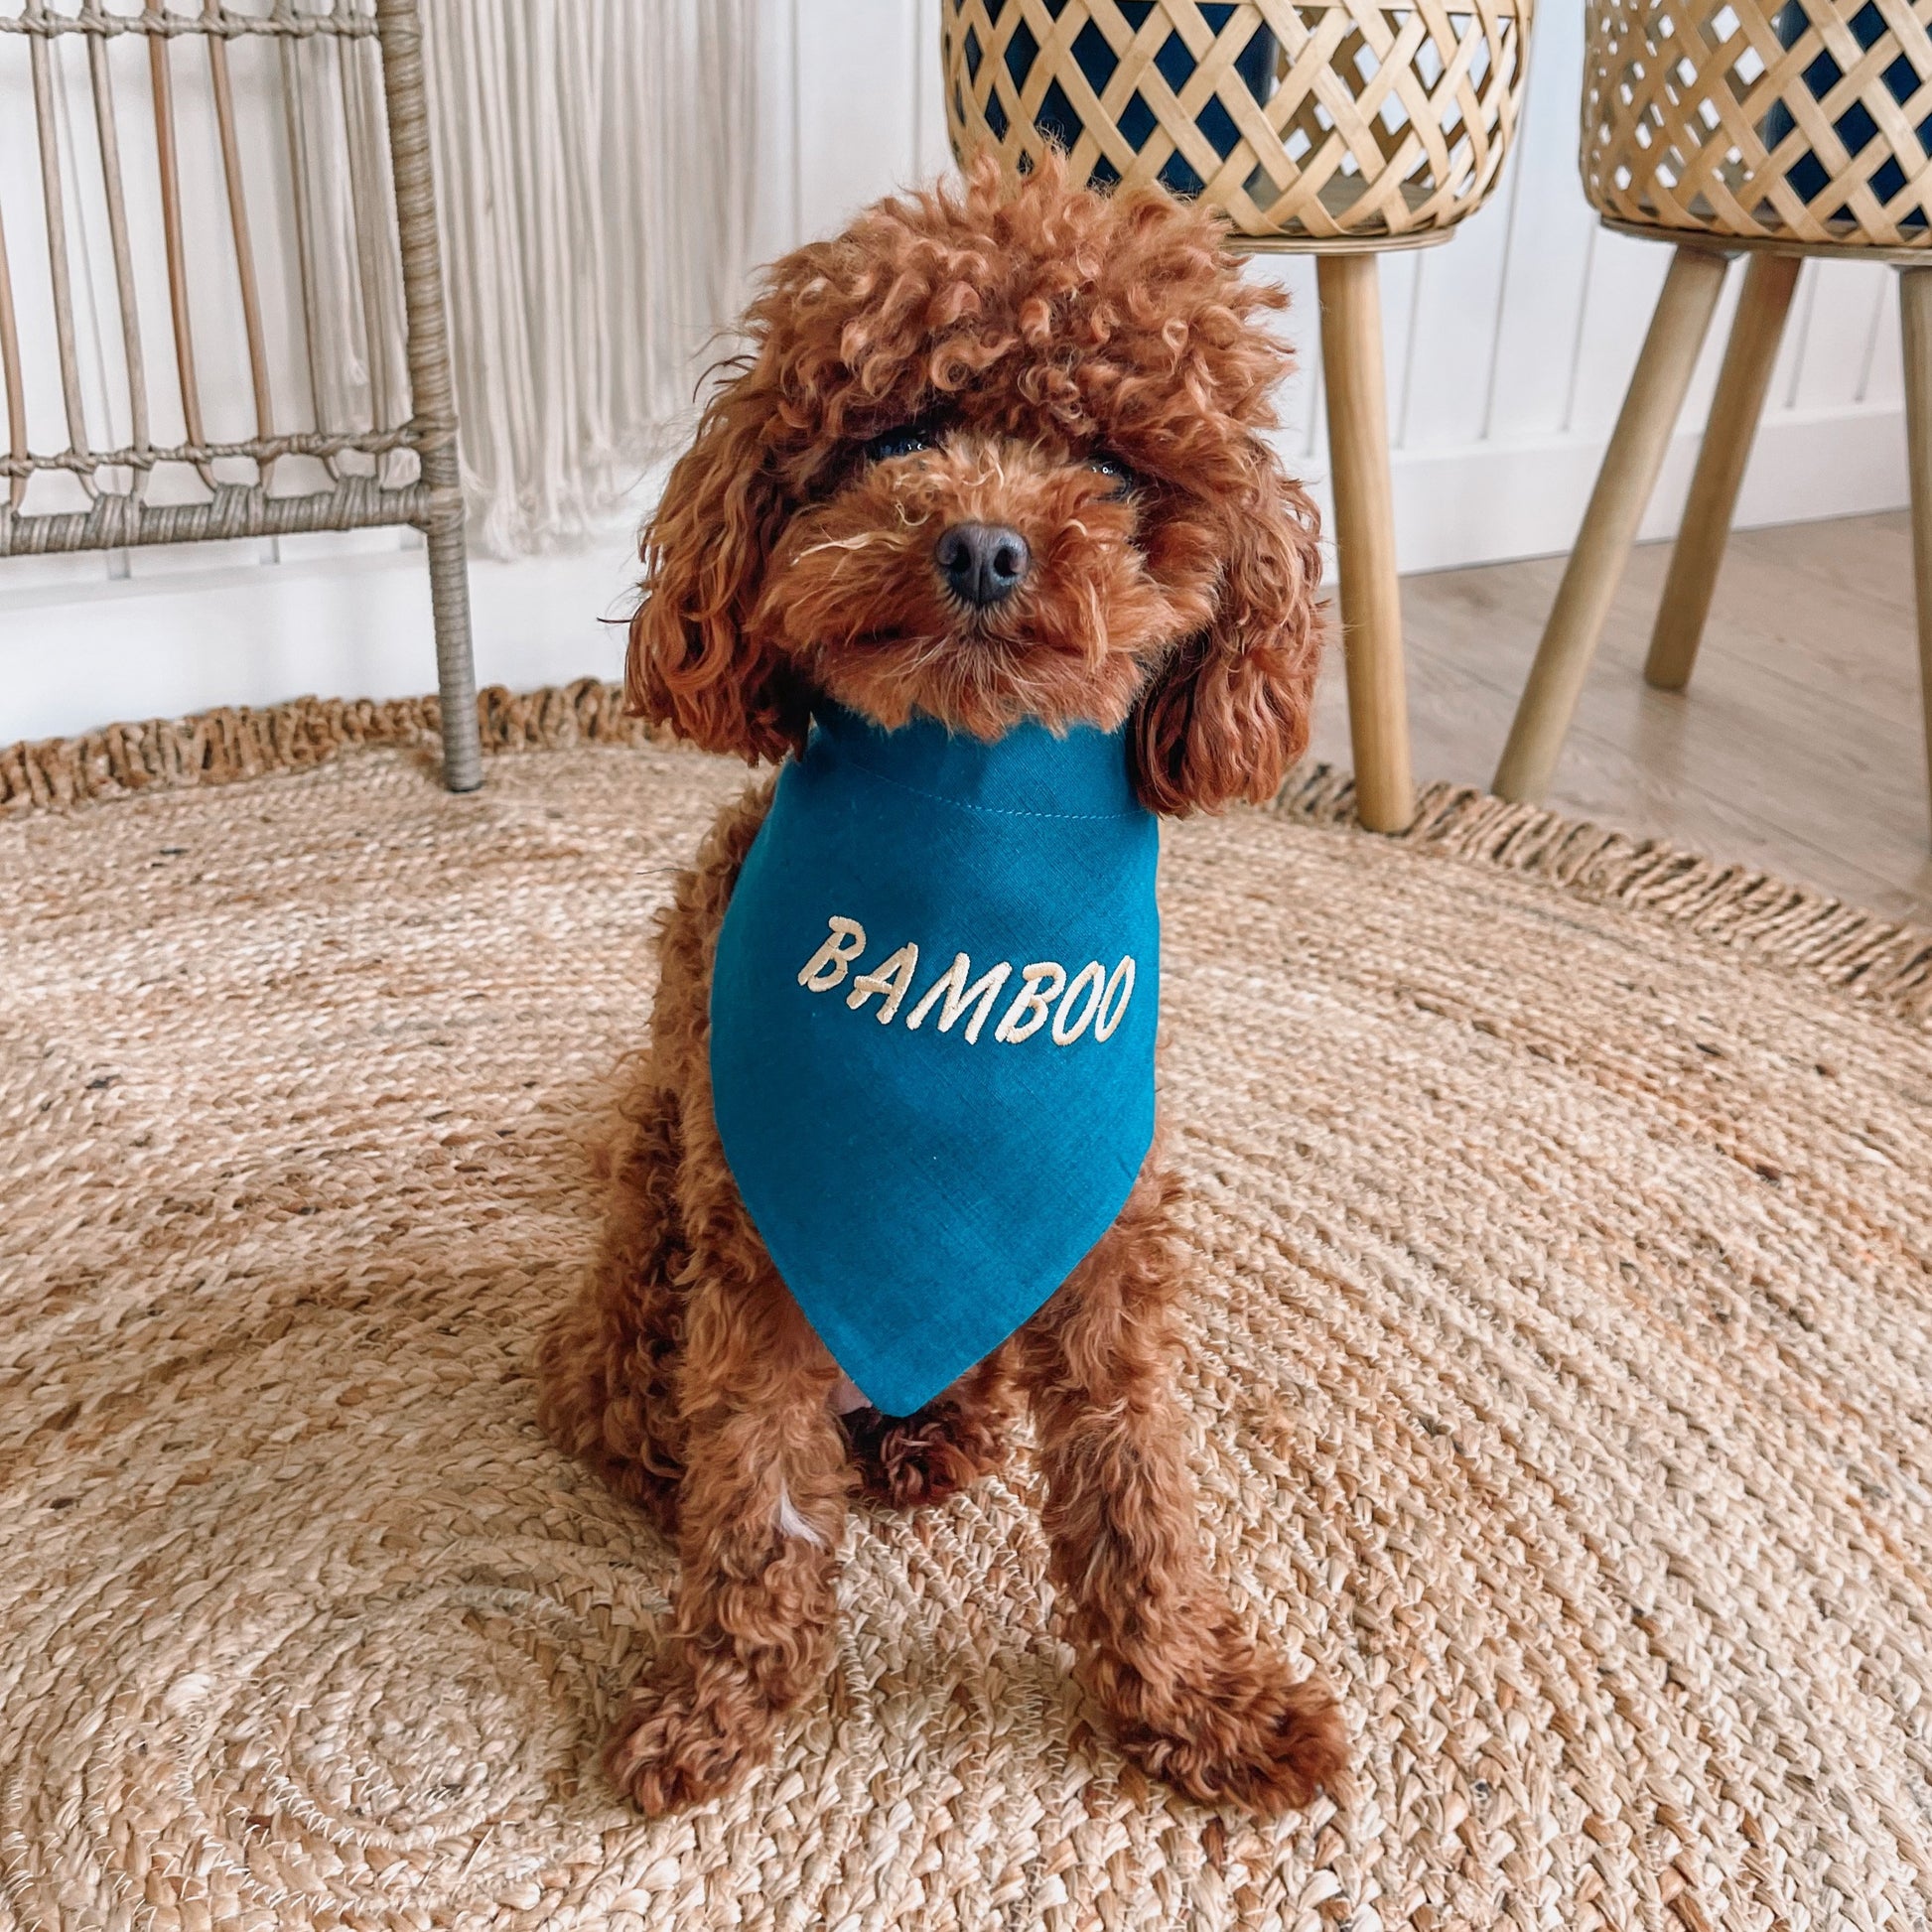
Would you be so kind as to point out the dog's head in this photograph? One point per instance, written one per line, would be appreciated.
(996, 455)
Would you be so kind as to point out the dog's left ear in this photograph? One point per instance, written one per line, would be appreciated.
(1228, 714)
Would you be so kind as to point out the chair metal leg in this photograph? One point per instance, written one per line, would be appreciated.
(1371, 594)
(1754, 346)
(455, 670)
(431, 385)
(1915, 314)
(1616, 504)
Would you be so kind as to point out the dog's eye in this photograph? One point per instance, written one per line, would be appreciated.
(1103, 463)
(908, 440)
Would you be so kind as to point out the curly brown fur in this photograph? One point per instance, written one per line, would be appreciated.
(1037, 328)
(1090, 374)
(607, 1368)
(1191, 1695)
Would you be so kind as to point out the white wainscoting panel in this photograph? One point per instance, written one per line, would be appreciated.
(1507, 350)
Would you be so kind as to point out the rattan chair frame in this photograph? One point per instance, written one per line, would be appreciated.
(393, 232)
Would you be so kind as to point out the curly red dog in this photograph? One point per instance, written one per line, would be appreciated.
(1088, 373)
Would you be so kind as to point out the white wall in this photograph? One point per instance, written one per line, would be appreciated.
(1507, 352)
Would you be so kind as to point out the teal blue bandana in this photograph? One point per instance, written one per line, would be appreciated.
(932, 1019)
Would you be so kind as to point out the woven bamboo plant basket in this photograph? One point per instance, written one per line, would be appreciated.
(1309, 121)
(1796, 122)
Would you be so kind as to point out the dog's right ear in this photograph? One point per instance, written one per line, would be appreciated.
(692, 665)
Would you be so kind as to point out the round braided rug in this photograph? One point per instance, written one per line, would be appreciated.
(1559, 1381)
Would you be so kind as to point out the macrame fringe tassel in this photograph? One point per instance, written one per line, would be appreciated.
(594, 183)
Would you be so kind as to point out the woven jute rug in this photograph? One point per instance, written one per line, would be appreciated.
(1559, 1380)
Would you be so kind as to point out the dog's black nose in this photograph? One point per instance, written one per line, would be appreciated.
(983, 562)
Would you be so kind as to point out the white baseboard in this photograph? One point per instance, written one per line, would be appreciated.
(79, 648)
(1494, 500)
(353, 626)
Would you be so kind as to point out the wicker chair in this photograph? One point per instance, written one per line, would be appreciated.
(1338, 129)
(396, 241)
(1774, 128)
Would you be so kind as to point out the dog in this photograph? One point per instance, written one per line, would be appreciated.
(991, 469)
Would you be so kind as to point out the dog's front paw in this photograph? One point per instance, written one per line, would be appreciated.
(1229, 1727)
(675, 1746)
(911, 1462)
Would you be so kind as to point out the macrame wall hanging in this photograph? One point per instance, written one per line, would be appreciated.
(593, 187)
(592, 160)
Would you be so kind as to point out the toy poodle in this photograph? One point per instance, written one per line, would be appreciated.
(980, 544)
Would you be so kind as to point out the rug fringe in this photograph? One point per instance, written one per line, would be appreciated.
(219, 748)
(1883, 959)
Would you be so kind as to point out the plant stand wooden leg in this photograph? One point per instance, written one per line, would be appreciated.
(1746, 374)
(1623, 487)
(1371, 595)
(1915, 314)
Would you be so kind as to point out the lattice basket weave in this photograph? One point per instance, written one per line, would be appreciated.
(1308, 121)
(1804, 123)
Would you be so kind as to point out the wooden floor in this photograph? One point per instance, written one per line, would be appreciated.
(1798, 745)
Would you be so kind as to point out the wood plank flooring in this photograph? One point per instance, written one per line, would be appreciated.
(1797, 746)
